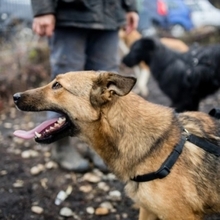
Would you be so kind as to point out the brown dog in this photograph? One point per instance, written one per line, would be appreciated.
(134, 137)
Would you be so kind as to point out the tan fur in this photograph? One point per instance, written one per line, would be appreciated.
(134, 137)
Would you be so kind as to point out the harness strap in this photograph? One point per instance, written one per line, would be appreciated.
(204, 144)
(165, 168)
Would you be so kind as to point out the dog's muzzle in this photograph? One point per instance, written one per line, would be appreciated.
(50, 130)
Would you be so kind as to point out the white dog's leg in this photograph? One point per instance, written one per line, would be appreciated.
(143, 81)
(123, 47)
(143, 76)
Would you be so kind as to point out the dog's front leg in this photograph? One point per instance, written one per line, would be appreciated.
(146, 215)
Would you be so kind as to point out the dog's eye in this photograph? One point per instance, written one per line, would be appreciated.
(56, 85)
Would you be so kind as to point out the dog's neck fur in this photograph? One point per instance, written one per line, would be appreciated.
(125, 133)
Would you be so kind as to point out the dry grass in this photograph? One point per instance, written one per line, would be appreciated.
(23, 65)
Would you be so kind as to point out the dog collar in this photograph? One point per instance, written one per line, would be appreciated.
(167, 165)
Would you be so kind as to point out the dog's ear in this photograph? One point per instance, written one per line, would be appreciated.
(108, 86)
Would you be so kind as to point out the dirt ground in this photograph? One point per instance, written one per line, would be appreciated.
(30, 180)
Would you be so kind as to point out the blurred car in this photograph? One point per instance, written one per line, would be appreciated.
(15, 18)
(170, 15)
(203, 13)
(152, 15)
(179, 17)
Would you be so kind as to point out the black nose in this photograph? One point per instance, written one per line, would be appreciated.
(16, 97)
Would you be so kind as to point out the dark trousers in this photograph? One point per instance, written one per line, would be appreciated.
(74, 49)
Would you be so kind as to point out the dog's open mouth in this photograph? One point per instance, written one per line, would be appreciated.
(49, 131)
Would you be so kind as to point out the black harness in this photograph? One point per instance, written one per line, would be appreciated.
(165, 168)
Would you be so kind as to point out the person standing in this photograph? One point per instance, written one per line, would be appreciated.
(83, 35)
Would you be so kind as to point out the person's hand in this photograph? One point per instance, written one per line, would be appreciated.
(132, 19)
(44, 25)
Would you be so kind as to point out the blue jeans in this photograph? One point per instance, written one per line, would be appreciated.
(74, 49)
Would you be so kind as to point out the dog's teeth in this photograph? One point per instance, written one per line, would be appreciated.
(56, 125)
(61, 120)
(37, 134)
(52, 128)
(47, 130)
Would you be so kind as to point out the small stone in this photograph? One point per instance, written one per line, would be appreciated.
(111, 176)
(66, 212)
(26, 144)
(37, 209)
(17, 151)
(106, 205)
(103, 186)
(29, 153)
(69, 190)
(7, 125)
(115, 195)
(18, 140)
(26, 154)
(68, 176)
(43, 183)
(91, 177)
(18, 184)
(3, 172)
(86, 188)
(98, 173)
(50, 165)
(61, 196)
(101, 211)
(124, 215)
(3, 117)
(30, 124)
(47, 154)
(34, 153)
(41, 167)
(16, 127)
(90, 210)
(37, 169)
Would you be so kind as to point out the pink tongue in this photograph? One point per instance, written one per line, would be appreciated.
(30, 134)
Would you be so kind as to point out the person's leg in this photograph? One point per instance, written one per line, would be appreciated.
(102, 54)
(67, 48)
(102, 50)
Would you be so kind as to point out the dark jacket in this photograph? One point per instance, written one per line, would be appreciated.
(95, 14)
